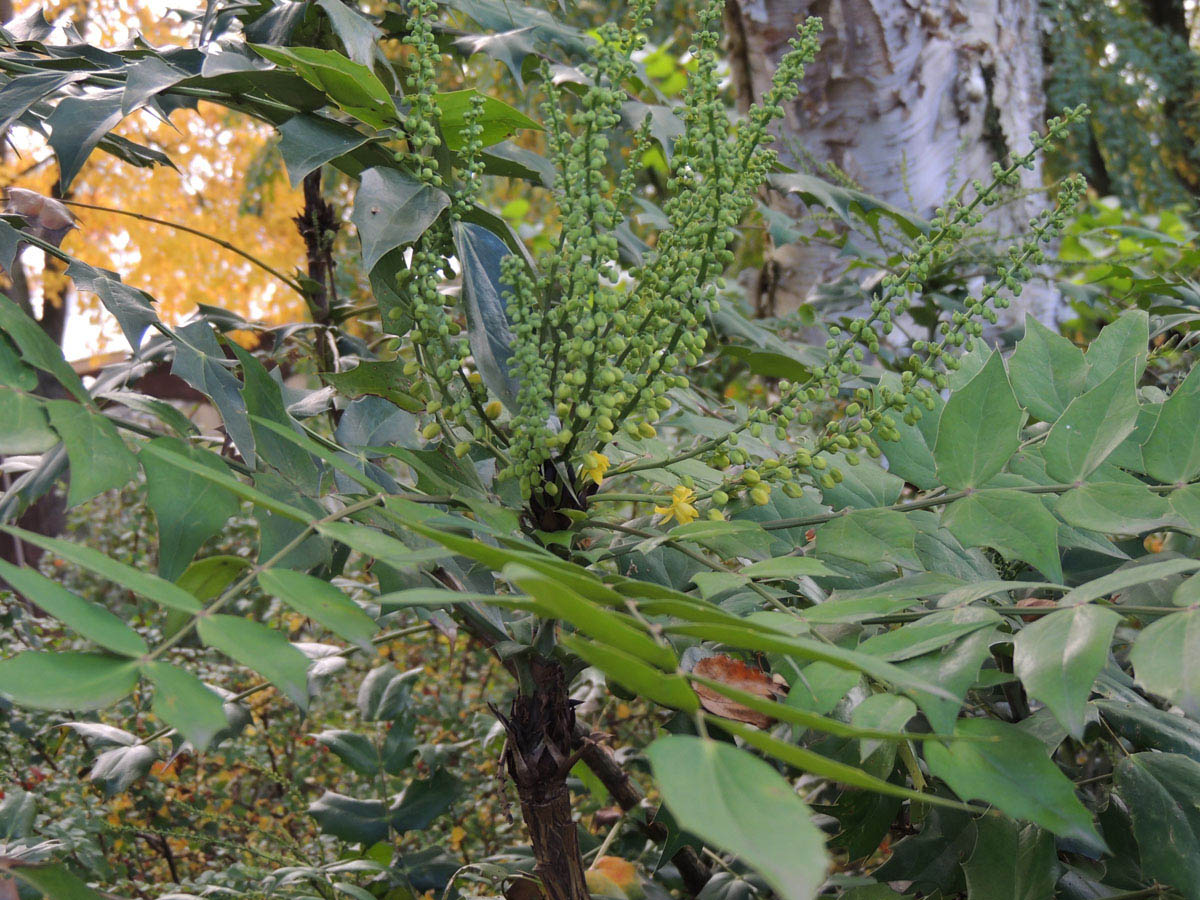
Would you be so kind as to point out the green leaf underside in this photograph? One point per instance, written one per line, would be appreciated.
(260, 648)
(67, 680)
(738, 803)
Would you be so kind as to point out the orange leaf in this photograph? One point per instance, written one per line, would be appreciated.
(1035, 603)
(736, 674)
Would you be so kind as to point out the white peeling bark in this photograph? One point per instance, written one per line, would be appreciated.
(911, 99)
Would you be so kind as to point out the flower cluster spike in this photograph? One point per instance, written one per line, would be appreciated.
(598, 343)
(599, 340)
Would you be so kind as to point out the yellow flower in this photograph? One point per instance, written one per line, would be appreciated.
(681, 508)
(595, 465)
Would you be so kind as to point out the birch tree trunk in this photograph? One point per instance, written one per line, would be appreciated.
(911, 99)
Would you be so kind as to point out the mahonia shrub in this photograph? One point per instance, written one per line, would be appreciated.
(851, 621)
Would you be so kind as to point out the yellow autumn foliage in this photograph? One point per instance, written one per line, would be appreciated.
(214, 150)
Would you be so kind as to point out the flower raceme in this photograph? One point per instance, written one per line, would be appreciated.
(596, 337)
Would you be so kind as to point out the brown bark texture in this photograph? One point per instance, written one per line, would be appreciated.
(540, 752)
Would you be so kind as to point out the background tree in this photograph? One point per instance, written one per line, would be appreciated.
(1135, 62)
(910, 101)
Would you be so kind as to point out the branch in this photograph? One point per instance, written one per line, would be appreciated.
(628, 795)
(179, 226)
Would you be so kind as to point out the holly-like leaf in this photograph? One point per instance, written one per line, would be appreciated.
(868, 537)
(1015, 523)
(149, 586)
(53, 881)
(146, 78)
(423, 801)
(1059, 656)
(1160, 790)
(308, 141)
(1115, 508)
(1047, 371)
(26, 430)
(1014, 774)
(1166, 659)
(1011, 862)
(1092, 427)
(348, 819)
(263, 396)
(559, 601)
(1125, 339)
(260, 648)
(22, 92)
(510, 47)
(354, 749)
(200, 362)
(67, 680)
(117, 769)
(498, 120)
(392, 210)
(485, 297)
(358, 34)
(351, 85)
(37, 349)
(100, 461)
(665, 125)
(979, 429)
(882, 712)
(739, 804)
(130, 306)
(954, 668)
(637, 676)
(1172, 452)
(188, 509)
(77, 125)
(385, 693)
(846, 203)
(1147, 727)
(321, 602)
(184, 702)
(89, 619)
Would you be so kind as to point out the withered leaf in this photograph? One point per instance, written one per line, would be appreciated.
(736, 674)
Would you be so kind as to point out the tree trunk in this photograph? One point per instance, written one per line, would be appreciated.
(910, 100)
(539, 755)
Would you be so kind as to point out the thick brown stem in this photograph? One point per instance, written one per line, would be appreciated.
(541, 741)
(318, 223)
(624, 790)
